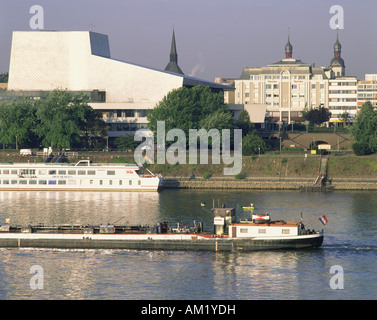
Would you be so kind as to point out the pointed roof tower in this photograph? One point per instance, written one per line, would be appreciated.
(288, 49)
(173, 64)
(337, 63)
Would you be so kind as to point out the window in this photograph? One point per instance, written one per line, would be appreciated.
(120, 182)
(244, 230)
(91, 172)
(100, 182)
(81, 172)
(130, 182)
(62, 182)
(5, 171)
(285, 231)
(13, 181)
(42, 172)
(5, 181)
(52, 172)
(23, 181)
(72, 172)
(32, 181)
(261, 231)
(110, 182)
(111, 172)
(42, 182)
(14, 172)
(62, 172)
(51, 182)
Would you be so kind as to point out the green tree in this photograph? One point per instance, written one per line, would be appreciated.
(364, 130)
(244, 123)
(18, 123)
(65, 119)
(316, 116)
(184, 108)
(252, 144)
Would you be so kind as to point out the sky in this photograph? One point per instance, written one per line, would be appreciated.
(215, 38)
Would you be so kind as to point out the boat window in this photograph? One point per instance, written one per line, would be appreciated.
(42, 172)
(91, 172)
(91, 181)
(130, 182)
(32, 181)
(5, 181)
(72, 182)
(51, 181)
(81, 172)
(285, 231)
(42, 182)
(120, 182)
(14, 172)
(71, 172)
(261, 230)
(111, 172)
(100, 182)
(23, 181)
(139, 182)
(111, 182)
(244, 230)
(52, 172)
(6, 171)
(62, 172)
(13, 181)
(62, 182)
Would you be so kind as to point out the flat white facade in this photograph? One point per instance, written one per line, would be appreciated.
(343, 98)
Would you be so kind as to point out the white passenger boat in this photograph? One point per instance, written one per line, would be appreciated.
(82, 176)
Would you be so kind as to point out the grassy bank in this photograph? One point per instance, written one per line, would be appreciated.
(270, 165)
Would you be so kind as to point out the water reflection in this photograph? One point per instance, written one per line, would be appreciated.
(61, 207)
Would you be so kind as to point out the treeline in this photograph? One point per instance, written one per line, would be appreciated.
(61, 120)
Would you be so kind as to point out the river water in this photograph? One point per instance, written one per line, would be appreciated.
(350, 246)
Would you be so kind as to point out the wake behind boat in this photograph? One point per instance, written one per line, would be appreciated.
(257, 233)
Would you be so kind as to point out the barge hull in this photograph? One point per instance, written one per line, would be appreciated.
(194, 243)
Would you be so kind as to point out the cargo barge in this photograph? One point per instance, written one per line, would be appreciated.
(257, 233)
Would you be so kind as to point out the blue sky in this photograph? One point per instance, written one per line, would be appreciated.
(215, 38)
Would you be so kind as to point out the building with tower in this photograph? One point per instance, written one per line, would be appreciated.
(289, 86)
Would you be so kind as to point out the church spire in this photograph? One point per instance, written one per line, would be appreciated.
(288, 49)
(337, 63)
(173, 64)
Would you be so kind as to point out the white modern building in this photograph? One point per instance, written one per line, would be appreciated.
(343, 98)
(80, 61)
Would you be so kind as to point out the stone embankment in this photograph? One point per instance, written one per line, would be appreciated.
(264, 183)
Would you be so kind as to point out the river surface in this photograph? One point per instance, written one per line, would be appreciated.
(350, 246)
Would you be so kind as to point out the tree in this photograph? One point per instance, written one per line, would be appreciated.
(252, 144)
(316, 116)
(126, 142)
(18, 123)
(66, 118)
(184, 108)
(244, 122)
(364, 130)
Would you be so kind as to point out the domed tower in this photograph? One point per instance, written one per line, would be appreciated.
(288, 50)
(337, 63)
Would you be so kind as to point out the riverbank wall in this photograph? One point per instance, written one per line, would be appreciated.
(263, 183)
